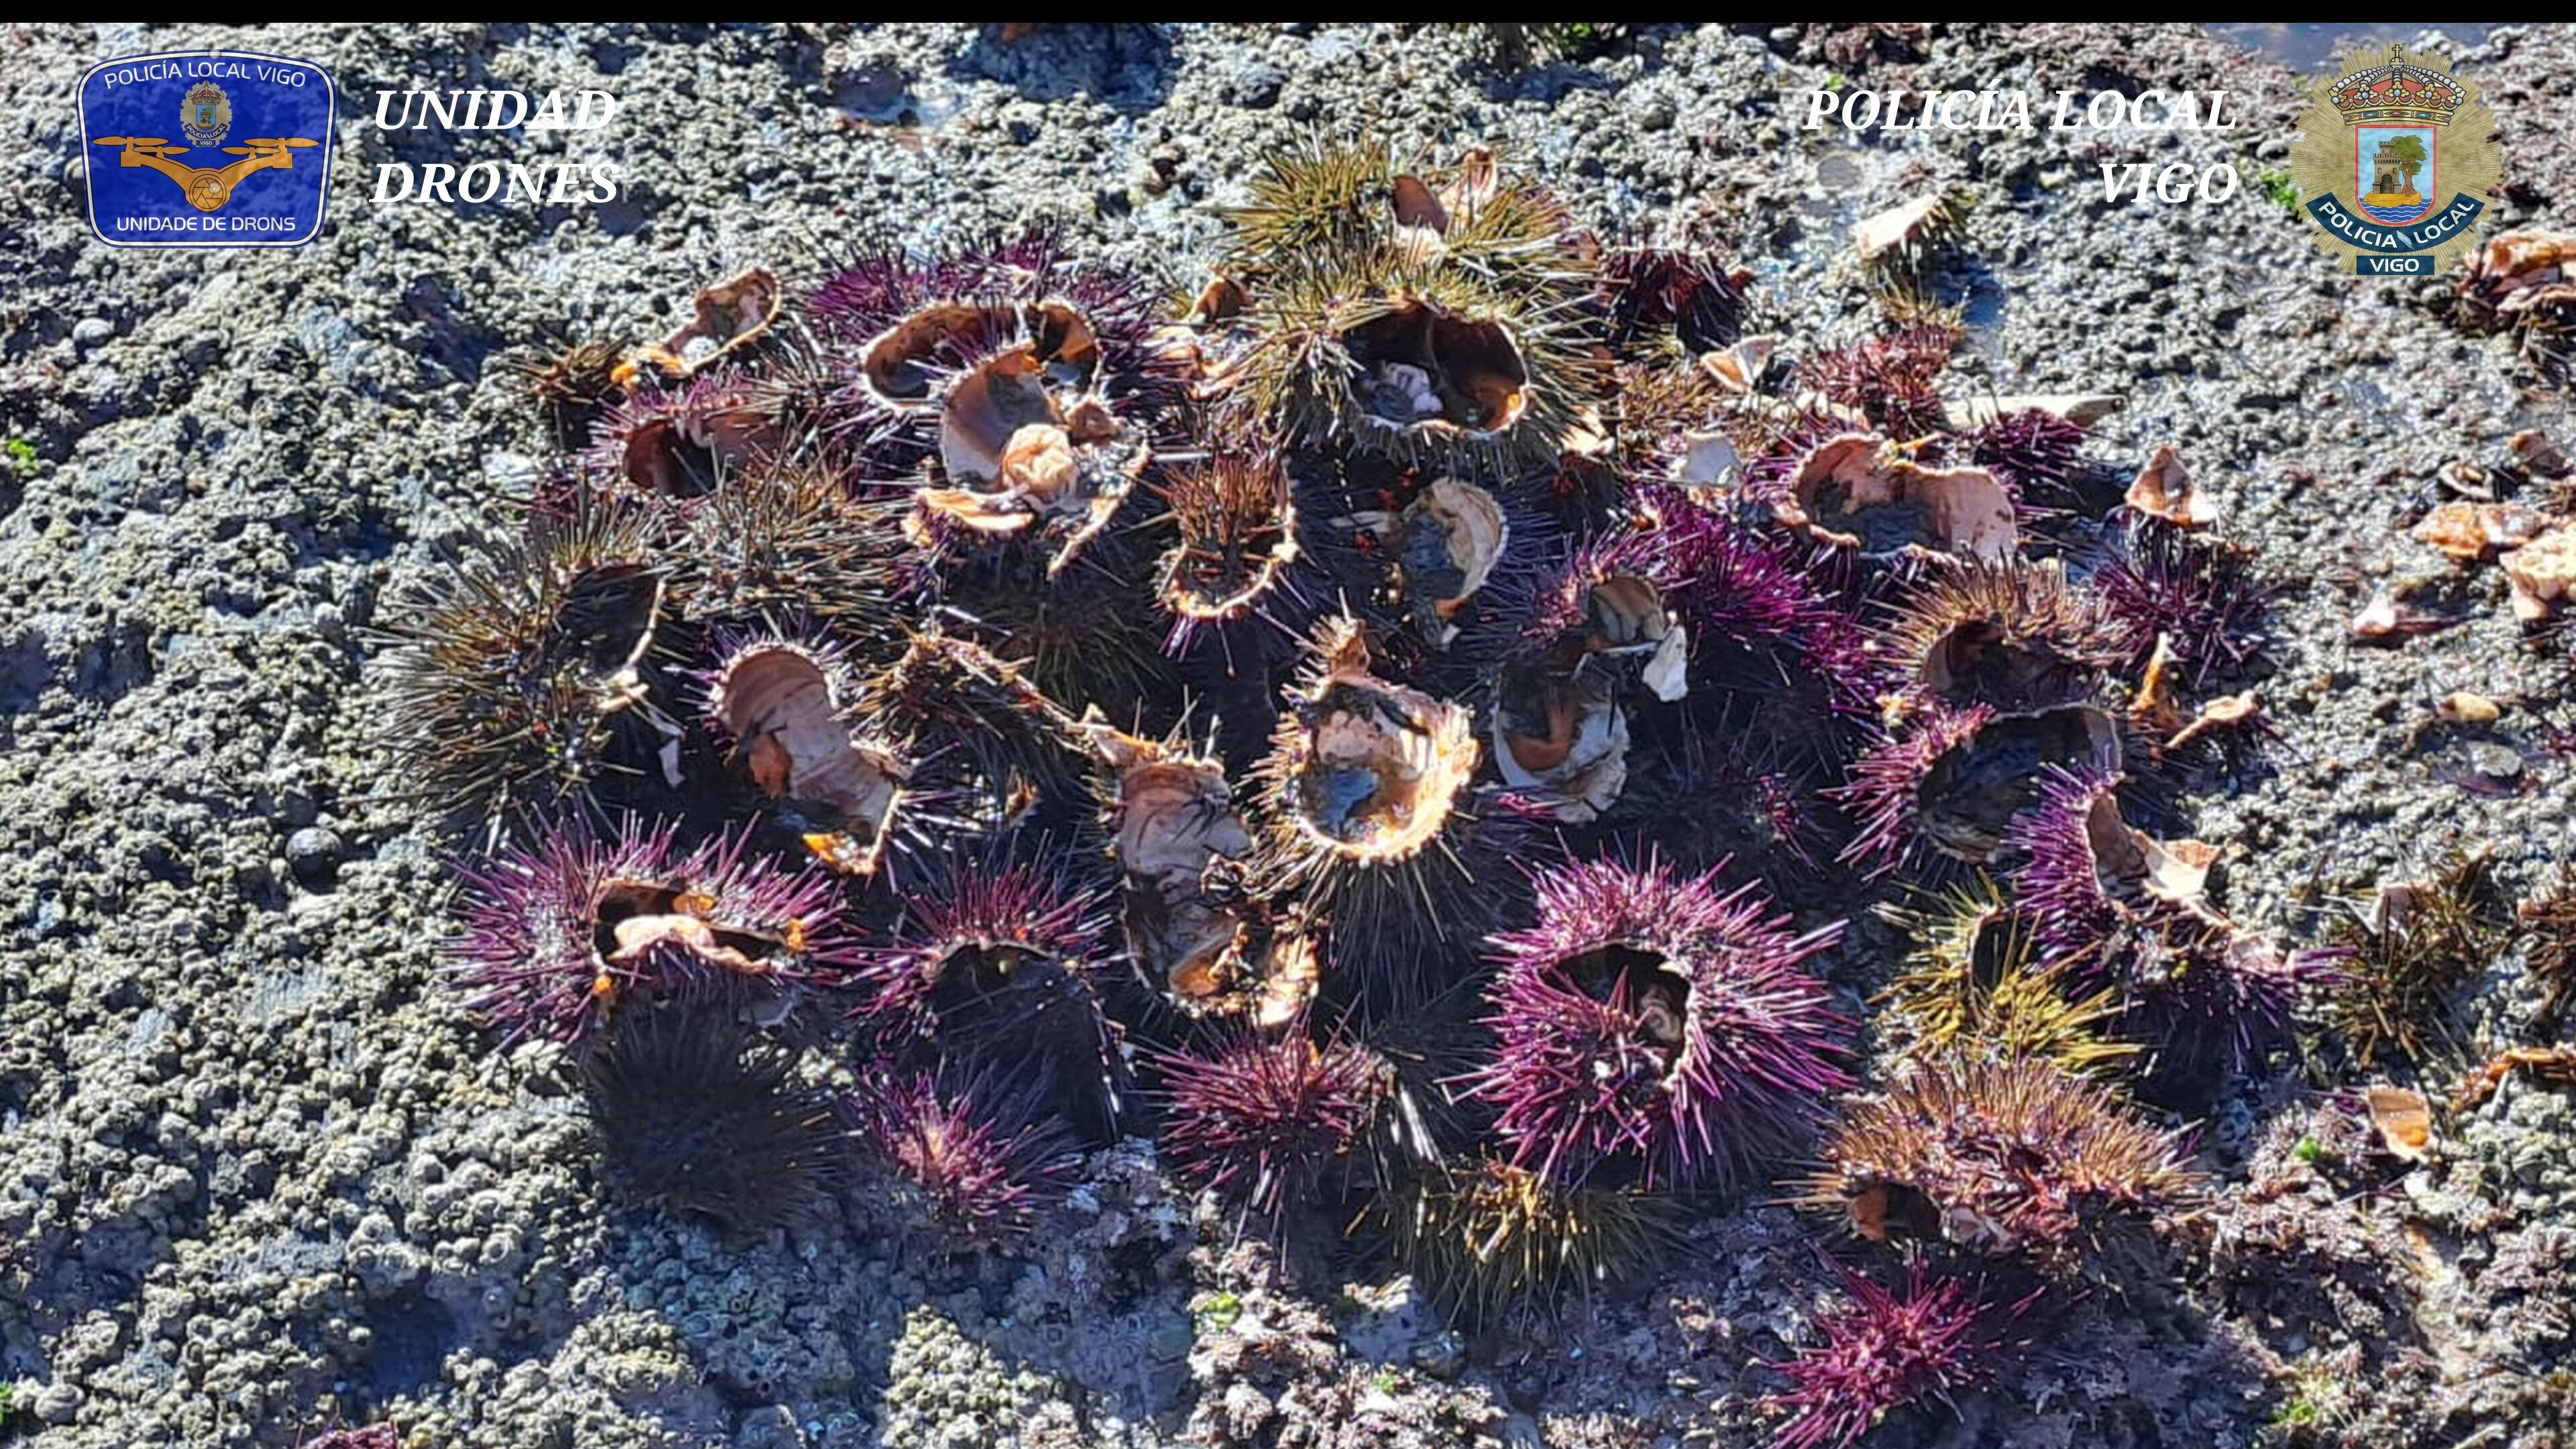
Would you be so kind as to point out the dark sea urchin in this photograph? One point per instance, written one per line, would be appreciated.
(1882, 1350)
(992, 965)
(516, 683)
(708, 1117)
(1659, 1023)
(557, 937)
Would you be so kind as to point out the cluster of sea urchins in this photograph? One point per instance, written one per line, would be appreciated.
(1400, 733)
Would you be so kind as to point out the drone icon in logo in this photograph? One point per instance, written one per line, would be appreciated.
(207, 188)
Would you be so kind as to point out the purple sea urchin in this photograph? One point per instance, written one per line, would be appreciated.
(519, 679)
(1656, 1022)
(2124, 911)
(973, 1167)
(992, 965)
(1890, 379)
(1263, 1119)
(556, 937)
(1677, 296)
(2010, 635)
(2206, 598)
(1997, 1156)
(708, 1117)
(1882, 1350)
(1947, 782)
(2036, 453)
(1600, 638)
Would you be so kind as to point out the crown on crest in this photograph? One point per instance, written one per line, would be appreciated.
(2398, 92)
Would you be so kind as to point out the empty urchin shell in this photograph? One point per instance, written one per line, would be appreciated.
(784, 702)
(1657, 1025)
(2008, 634)
(1360, 811)
(1945, 783)
(1020, 392)
(557, 936)
(520, 678)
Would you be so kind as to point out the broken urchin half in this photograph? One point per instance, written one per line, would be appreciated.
(784, 702)
(1360, 811)
(556, 937)
(1657, 1024)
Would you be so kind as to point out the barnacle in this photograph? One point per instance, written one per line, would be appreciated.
(1489, 1240)
(785, 702)
(1883, 1350)
(975, 1158)
(1265, 1119)
(518, 678)
(1996, 1156)
(2409, 951)
(996, 964)
(1658, 1023)
(709, 1117)
(556, 937)
(1360, 810)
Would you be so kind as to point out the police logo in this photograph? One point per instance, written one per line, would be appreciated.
(268, 189)
(2396, 161)
(205, 115)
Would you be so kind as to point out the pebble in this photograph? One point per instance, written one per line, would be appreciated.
(89, 332)
(314, 853)
(1442, 1355)
(2494, 761)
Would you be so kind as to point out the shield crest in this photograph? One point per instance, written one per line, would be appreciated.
(2393, 172)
